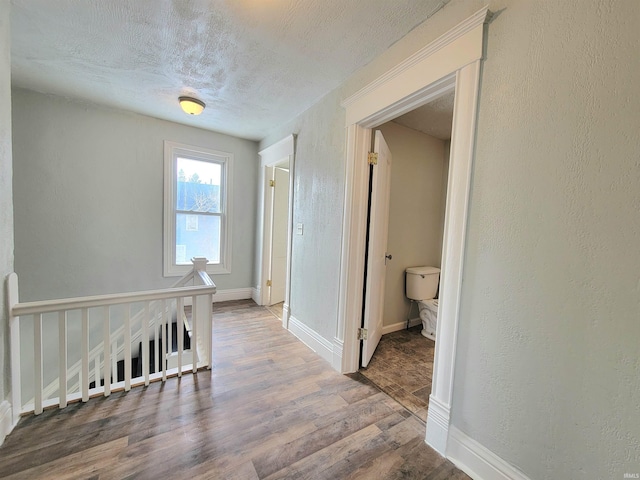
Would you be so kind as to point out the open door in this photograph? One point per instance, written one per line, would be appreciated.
(279, 231)
(377, 247)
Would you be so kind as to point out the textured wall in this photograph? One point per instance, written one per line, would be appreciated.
(548, 356)
(318, 194)
(6, 201)
(88, 198)
(548, 362)
(415, 212)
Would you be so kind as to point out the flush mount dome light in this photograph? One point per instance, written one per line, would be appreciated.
(192, 106)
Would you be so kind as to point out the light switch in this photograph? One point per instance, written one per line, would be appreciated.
(299, 229)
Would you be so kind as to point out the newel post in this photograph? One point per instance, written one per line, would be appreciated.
(14, 346)
(201, 313)
(199, 264)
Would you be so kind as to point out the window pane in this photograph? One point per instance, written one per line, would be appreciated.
(203, 241)
(198, 186)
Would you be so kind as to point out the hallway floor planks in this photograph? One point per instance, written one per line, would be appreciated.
(270, 409)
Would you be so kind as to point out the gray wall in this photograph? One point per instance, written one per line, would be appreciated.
(6, 200)
(415, 212)
(88, 198)
(547, 361)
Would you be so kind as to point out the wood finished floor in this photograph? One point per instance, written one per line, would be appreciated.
(269, 409)
(402, 367)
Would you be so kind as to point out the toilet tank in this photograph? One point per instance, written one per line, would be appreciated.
(422, 282)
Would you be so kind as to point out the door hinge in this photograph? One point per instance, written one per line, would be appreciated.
(268, 283)
(272, 183)
(372, 158)
(362, 333)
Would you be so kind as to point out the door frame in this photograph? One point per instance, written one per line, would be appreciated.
(274, 155)
(450, 62)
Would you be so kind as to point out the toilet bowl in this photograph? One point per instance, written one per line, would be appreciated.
(429, 316)
(421, 287)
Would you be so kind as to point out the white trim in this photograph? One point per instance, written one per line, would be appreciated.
(280, 152)
(255, 294)
(6, 423)
(396, 327)
(232, 294)
(171, 150)
(338, 347)
(311, 339)
(435, 62)
(286, 315)
(452, 61)
(437, 425)
(226, 295)
(477, 461)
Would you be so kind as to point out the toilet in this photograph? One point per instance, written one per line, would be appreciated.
(421, 287)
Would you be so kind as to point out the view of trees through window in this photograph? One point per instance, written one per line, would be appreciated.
(198, 210)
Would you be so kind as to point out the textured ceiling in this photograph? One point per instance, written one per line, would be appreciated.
(256, 63)
(434, 118)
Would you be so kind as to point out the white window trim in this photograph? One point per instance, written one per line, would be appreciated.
(171, 151)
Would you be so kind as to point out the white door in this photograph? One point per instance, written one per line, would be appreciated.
(279, 234)
(377, 250)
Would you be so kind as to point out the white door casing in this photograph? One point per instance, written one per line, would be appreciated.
(279, 153)
(451, 61)
(279, 230)
(377, 251)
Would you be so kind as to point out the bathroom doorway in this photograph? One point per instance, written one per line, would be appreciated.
(419, 141)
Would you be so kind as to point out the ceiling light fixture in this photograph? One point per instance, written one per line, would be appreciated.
(191, 105)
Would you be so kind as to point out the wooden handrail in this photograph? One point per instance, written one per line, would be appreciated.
(47, 306)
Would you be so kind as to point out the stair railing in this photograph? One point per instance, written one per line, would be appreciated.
(96, 357)
(37, 315)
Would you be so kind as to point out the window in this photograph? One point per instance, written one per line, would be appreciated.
(196, 208)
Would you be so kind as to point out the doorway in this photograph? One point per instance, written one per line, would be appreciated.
(277, 217)
(450, 62)
(419, 143)
(275, 227)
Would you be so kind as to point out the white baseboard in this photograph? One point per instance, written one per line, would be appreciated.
(336, 360)
(286, 314)
(437, 425)
(395, 327)
(255, 294)
(311, 339)
(6, 423)
(477, 461)
(232, 294)
(227, 295)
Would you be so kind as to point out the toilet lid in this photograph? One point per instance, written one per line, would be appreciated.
(423, 270)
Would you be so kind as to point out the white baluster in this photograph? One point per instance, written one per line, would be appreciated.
(145, 343)
(62, 362)
(96, 370)
(209, 342)
(85, 355)
(156, 343)
(163, 329)
(114, 360)
(194, 333)
(106, 341)
(127, 348)
(180, 326)
(169, 348)
(37, 350)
